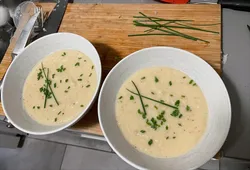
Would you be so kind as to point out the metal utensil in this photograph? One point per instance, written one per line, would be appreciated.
(24, 36)
(53, 22)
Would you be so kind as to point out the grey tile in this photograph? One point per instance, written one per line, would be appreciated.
(35, 155)
(8, 140)
(5, 129)
(234, 164)
(211, 165)
(85, 159)
(71, 138)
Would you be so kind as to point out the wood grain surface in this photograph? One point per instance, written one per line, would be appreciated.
(107, 26)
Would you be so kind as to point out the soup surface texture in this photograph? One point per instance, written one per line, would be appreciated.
(163, 131)
(70, 86)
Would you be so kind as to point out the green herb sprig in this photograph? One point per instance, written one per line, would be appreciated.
(48, 83)
(168, 27)
(157, 101)
(143, 106)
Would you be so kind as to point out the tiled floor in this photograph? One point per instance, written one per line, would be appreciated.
(35, 154)
(61, 151)
(88, 159)
(66, 150)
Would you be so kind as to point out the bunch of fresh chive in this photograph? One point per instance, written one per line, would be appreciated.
(161, 26)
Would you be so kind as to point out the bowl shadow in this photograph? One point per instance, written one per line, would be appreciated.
(237, 126)
(109, 58)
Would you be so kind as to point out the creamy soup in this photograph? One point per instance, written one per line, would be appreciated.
(68, 90)
(170, 125)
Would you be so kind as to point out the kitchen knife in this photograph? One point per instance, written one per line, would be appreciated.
(25, 34)
(52, 24)
(243, 5)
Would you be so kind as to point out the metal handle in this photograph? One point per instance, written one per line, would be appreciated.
(24, 36)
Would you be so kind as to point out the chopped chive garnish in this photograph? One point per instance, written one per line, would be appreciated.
(174, 137)
(155, 107)
(90, 74)
(188, 108)
(59, 113)
(88, 86)
(38, 107)
(179, 124)
(77, 64)
(152, 93)
(120, 97)
(191, 81)
(34, 107)
(177, 103)
(166, 127)
(143, 78)
(142, 104)
(69, 87)
(139, 111)
(81, 75)
(53, 75)
(82, 105)
(153, 99)
(148, 122)
(171, 95)
(61, 69)
(66, 80)
(55, 119)
(146, 105)
(142, 131)
(51, 105)
(45, 90)
(92, 67)
(54, 85)
(79, 79)
(161, 117)
(63, 54)
(150, 142)
(60, 81)
(131, 97)
(170, 83)
(39, 74)
(48, 82)
(79, 58)
(180, 116)
(66, 91)
(183, 96)
(156, 79)
(162, 101)
(175, 113)
(184, 77)
(167, 137)
(194, 84)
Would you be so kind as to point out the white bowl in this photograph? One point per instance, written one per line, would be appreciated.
(22, 65)
(202, 73)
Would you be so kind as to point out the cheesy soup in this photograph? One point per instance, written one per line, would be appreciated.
(161, 112)
(59, 87)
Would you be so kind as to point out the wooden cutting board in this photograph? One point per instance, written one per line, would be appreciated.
(107, 26)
